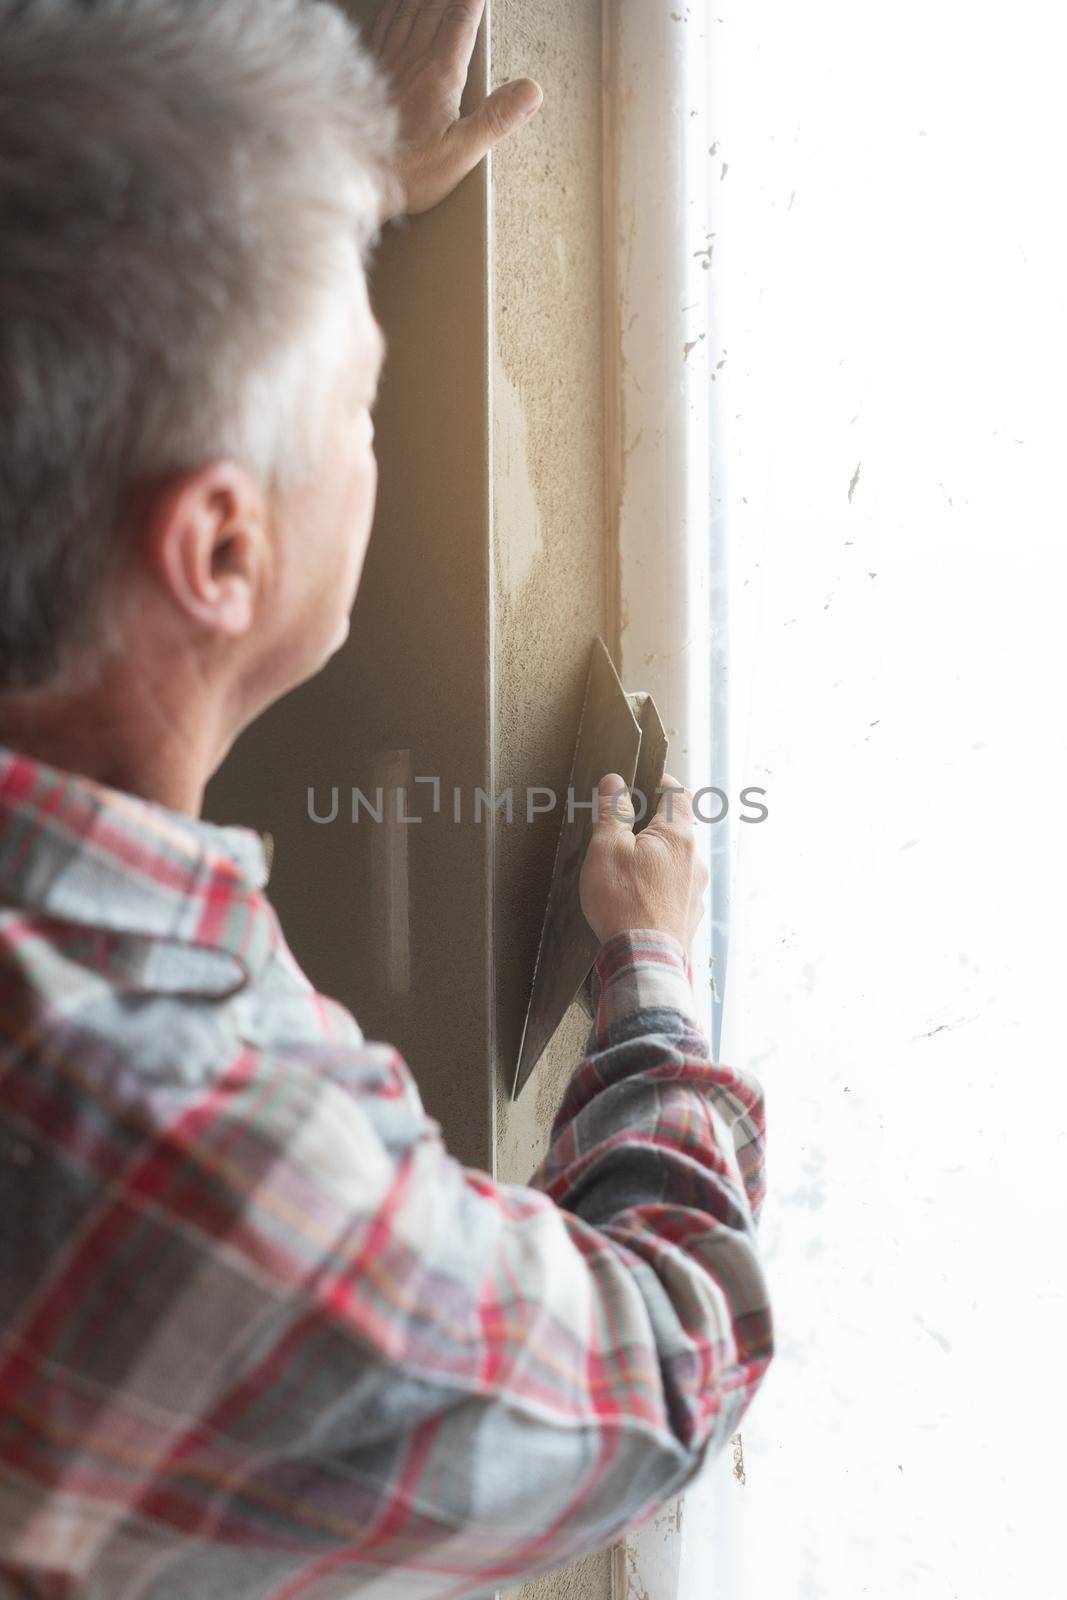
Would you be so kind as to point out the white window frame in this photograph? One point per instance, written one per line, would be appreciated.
(663, 483)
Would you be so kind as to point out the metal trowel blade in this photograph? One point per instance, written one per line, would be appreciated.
(609, 739)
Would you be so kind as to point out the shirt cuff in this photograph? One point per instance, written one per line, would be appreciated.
(640, 970)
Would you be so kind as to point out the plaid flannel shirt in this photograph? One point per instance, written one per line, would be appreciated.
(260, 1334)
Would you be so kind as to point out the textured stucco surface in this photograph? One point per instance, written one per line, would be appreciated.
(547, 490)
(548, 513)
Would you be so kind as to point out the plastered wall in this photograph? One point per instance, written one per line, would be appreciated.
(551, 577)
(549, 570)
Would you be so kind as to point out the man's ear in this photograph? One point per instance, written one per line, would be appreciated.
(206, 541)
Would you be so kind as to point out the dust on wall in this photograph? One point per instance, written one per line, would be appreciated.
(550, 575)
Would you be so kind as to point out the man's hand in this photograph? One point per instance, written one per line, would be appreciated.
(424, 47)
(651, 879)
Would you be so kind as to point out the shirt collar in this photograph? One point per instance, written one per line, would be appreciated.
(189, 890)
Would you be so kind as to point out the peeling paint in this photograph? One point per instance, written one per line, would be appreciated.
(738, 1459)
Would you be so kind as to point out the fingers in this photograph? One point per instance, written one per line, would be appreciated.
(506, 109)
(382, 23)
(425, 48)
(458, 31)
(614, 808)
(654, 879)
(615, 804)
(397, 31)
(675, 807)
(415, 27)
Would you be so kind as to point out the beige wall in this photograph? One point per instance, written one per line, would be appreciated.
(550, 574)
(486, 581)
(549, 570)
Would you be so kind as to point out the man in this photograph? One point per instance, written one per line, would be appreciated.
(260, 1334)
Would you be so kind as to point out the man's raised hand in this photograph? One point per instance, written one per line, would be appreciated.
(425, 47)
(652, 879)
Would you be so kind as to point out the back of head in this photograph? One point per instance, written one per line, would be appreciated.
(185, 189)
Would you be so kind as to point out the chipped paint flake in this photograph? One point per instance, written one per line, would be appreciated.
(738, 1459)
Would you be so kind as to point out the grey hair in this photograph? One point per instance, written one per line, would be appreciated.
(186, 187)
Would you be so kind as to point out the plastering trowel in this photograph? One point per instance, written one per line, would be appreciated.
(618, 732)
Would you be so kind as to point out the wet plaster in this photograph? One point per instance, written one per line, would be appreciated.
(547, 496)
(549, 570)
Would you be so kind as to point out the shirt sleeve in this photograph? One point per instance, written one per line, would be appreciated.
(461, 1382)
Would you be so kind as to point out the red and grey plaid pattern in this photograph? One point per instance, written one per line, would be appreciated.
(260, 1334)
